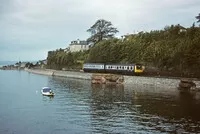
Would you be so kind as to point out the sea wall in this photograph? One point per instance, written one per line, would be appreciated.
(69, 74)
(39, 71)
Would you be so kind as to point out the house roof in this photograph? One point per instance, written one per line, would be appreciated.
(79, 42)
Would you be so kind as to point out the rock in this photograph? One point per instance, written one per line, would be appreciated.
(96, 79)
(185, 80)
(111, 78)
(107, 79)
(186, 84)
(120, 80)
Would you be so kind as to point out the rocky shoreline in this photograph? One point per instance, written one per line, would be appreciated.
(129, 81)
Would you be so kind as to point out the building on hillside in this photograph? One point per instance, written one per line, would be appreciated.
(45, 61)
(77, 45)
(181, 28)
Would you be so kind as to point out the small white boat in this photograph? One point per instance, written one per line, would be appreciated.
(47, 91)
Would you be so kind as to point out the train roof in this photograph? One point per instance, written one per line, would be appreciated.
(113, 64)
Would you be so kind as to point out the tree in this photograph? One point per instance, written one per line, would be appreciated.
(102, 29)
(198, 18)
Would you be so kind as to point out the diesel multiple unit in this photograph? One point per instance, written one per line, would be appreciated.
(113, 68)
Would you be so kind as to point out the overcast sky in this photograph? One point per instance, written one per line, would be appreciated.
(30, 28)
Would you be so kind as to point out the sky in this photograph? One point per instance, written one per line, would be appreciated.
(31, 28)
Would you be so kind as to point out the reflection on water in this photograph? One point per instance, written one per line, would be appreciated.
(47, 98)
(139, 109)
(81, 107)
(118, 111)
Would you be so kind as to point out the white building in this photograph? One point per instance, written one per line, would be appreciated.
(77, 45)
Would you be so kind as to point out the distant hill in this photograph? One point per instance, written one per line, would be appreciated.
(4, 63)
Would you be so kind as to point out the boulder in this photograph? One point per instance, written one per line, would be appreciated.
(120, 80)
(107, 79)
(186, 80)
(96, 79)
(186, 84)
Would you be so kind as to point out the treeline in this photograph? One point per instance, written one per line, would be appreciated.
(174, 49)
(69, 60)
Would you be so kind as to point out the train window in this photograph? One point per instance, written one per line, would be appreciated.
(117, 67)
(122, 67)
(111, 67)
(131, 68)
(138, 66)
(127, 68)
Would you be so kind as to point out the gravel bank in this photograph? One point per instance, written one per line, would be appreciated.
(151, 81)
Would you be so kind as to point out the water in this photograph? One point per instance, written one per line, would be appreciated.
(79, 107)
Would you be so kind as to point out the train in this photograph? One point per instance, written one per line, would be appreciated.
(129, 69)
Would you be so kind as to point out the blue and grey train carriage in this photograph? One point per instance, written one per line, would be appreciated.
(114, 68)
(93, 67)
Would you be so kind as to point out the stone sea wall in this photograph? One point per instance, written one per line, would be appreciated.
(39, 71)
(69, 74)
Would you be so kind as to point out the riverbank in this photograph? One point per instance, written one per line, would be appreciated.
(129, 81)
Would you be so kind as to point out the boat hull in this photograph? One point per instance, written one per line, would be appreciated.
(47, 93)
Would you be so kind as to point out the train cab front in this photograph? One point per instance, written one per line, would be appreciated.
(139, 69)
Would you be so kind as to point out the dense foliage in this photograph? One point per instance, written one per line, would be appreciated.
(62, 60)
(173, 49)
